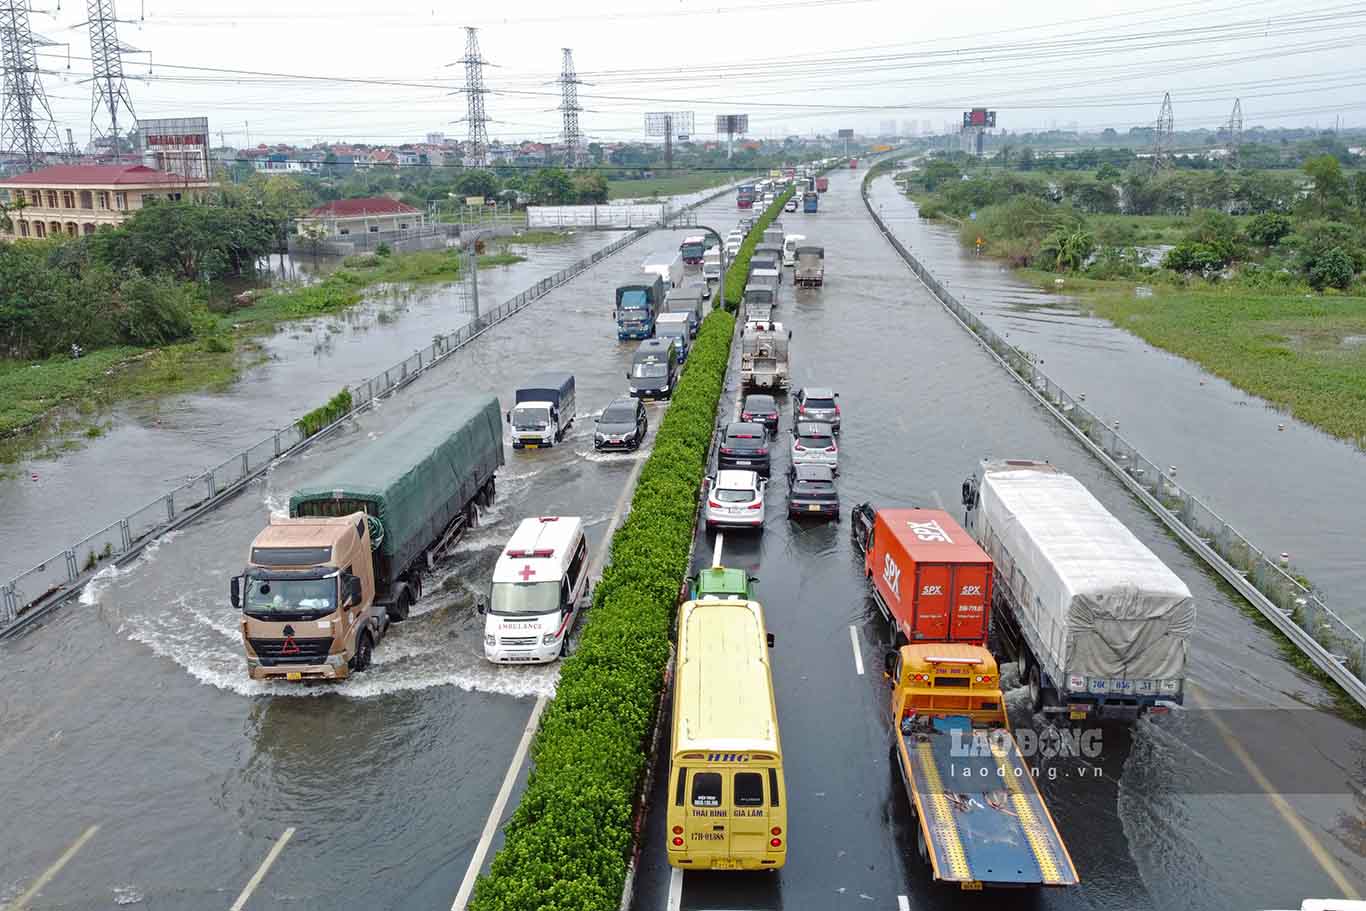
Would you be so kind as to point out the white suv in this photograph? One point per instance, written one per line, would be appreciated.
(813, 443)
(736, 498)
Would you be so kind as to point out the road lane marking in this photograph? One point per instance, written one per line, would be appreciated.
(41, 882)
(903, 903)
(481, 849)
(1292, 819)
(675, 889)
(858, 656)
(261, 871)
(716, 551)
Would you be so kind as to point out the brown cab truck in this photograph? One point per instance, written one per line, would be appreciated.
(929, 578)
(321, 587)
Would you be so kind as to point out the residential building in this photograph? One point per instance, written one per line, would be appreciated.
(371, 215)
(80, 199)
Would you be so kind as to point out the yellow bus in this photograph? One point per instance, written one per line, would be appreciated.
(728, 805)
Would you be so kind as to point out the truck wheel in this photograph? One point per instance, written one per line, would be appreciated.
(1035, 689)
(365, 647)
(398, 611)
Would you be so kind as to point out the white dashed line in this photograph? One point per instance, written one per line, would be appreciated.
(262, 870)
(41, 882)
(675, 889)
(903, 903)
(858, 656)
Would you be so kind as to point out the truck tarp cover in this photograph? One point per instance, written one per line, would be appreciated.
(1103, 604)
(546, 387)
(811, 251)
(417, 477)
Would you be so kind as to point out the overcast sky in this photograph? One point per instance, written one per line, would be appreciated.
(795, 66)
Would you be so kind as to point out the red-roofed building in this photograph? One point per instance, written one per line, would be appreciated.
(371, 215)
(80, 199)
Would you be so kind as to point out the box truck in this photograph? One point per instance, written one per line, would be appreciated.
(320, 588)
(639, 301)
(543, 410)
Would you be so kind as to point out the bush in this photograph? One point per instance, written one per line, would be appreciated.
(1190, 257)
(156, 311)
(337, 406)
(1268, 229)
(1331, 270)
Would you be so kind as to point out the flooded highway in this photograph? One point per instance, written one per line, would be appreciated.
(153, 446)
(1169, 815)
(1283, 489)
(130, 713)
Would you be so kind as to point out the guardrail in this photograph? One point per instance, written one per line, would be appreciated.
(1301, 614)
(29, 594)
(32, 593)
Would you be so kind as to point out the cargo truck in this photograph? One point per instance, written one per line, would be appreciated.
(543, 411)
(929, 578)
(809, 271)
(811, 201)
(321, 587)
(1101, 625)
(979, 819)
(668, 265)
(692, 248)
(763, 356)
(639, 301)
(822, 184)
(690, 300)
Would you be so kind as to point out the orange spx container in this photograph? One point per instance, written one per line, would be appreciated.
(929, 577)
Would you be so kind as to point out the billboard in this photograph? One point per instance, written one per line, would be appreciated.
(669, 123)
(979, 117)
(176, 145)
(846, 134)
(732, 124)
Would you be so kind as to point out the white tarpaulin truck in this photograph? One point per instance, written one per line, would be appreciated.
(809, 271)
(763, 355)
(1101, 625)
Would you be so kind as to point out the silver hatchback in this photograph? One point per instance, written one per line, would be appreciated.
(814, 443)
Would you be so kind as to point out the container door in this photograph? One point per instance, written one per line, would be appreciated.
(970, 592)
(749, 813)
(932, 602)
(708, 826)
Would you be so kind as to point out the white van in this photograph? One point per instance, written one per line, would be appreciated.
(538, 582)
(790, 244)
(668, 265)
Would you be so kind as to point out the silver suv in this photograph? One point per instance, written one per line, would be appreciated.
(817, 403)
(813, 443)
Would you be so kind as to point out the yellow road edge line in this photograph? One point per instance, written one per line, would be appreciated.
(943, 814)
(47, 876)
(1292, 819)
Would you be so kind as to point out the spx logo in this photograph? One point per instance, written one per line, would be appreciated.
(932, 590)
(891, 574)
(972, 590)
(930, 531)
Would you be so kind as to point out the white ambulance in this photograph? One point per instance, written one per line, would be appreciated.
(538, 582)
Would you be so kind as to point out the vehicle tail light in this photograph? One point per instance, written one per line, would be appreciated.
(678, 842)
(758, 505)
(837, 409)
(678, 830)
(713, 504)
(762, 452)
(830, 449)
(726, 450)
(799, 448)
(775, 842)
(776, 830)
(746, 416)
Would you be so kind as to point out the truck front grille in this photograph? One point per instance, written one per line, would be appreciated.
(291, 651)
(517, 640)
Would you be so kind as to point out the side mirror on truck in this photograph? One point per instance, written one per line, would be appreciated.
(481, 605)
(235, 592)
(771, 640)
(507, 417)
(354, 592)
(889, 667)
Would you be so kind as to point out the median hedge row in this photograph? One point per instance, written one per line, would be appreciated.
(738, 271)
(568, 842)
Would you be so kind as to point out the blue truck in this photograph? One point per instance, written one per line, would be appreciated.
(639, 302)
(810, 201)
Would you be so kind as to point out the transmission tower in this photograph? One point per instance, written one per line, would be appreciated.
(26, 124)
(1164, 134)
(109, 91)
(569, 109)
(1235, 131)
(478, 149)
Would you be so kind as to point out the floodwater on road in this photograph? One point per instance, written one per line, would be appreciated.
(1287, 491)
(153, 446)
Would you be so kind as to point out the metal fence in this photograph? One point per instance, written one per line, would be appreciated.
(1301, 614)
(32, 592)
(63, 572)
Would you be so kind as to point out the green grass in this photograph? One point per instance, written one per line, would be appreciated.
(1303, 353)
(677, 182)
(536, 238)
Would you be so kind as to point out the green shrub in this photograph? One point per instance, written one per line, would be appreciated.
(1333, 269)
(318, 418)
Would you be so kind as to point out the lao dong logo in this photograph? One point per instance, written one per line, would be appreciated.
(1050, 743)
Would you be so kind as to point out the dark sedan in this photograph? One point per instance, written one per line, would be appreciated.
(761, 409)
(622, 425)
(744, 446)
(811, 492)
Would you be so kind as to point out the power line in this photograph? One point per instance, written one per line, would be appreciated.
(26, 123)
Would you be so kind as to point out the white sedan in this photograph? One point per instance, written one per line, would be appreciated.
(736, 498)
(790, 205)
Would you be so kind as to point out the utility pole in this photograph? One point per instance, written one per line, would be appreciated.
(668, 142)
(1163, 135)
(569, 110)
(1235, 131)
(474, 92)
(109, 89)
(26, 122)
